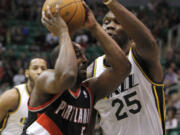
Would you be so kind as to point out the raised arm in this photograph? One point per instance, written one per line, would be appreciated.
(65, 73)
(146, 48)
(111, 78)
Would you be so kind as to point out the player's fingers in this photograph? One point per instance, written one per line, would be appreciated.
(86, 6)
(45, 21)
(51, 17)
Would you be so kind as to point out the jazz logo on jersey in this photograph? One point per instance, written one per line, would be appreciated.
(128, 83)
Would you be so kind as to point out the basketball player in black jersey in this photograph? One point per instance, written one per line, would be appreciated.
(61, 102)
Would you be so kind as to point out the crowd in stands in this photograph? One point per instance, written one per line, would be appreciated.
(22, 36)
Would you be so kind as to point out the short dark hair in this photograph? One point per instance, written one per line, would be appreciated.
(27, 64)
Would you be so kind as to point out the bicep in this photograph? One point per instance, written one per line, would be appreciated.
(8, 101)
(47, 82)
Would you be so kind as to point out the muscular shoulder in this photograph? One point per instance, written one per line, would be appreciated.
(9, 99)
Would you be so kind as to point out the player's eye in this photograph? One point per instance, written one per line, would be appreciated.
(107, 21)
(43, 68)
(35, 68)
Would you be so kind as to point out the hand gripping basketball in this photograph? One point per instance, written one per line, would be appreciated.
(72, 11)
(54, 23)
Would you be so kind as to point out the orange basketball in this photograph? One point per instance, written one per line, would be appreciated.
(72, 11)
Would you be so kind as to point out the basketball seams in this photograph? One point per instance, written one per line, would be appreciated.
(84, 13)
(73, 13)
(80, 8)
(69, 4)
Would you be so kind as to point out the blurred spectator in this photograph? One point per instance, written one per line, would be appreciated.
(19, 77)
(1, 70)
(3, 31)
(16, 35)
(170, 77)
(171, 121)
(178, 74)
(82, 38)
(51, 39)
(40, 38)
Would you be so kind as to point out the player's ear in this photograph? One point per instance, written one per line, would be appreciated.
(27, 73)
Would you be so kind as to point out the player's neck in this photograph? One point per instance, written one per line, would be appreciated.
(76, 86)
(29, 86)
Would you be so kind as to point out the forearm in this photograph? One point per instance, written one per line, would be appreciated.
(66, 64)
(132, 25)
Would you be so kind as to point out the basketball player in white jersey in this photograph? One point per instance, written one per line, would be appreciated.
(13, 102)
(137, 106)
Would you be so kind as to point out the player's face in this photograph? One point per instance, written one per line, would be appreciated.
(115, 30)
(36, 67)
(82, 62)
(110, 24)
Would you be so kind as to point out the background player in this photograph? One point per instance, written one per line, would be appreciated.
(137, 106)
(13, 102)
(60, 99)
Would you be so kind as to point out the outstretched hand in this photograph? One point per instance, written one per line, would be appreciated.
(54, 23)
(90, 22)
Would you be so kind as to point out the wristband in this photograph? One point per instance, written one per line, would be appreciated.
(108, 2)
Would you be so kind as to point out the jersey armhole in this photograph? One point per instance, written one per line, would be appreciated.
(141, 68)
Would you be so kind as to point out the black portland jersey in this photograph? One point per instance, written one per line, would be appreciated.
(65, 114)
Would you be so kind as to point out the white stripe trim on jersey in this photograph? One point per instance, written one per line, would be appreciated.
(37, 129)
(141, 69)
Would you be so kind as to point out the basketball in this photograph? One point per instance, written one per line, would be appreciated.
(72, 11)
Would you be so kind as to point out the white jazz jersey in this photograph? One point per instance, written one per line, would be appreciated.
(14, 121)
(136, 107)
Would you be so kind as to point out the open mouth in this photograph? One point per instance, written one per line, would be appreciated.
(110, 34)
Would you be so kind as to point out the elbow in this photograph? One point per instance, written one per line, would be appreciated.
(151, 42)
(71, 77)
(68, 77)
(153, 46)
